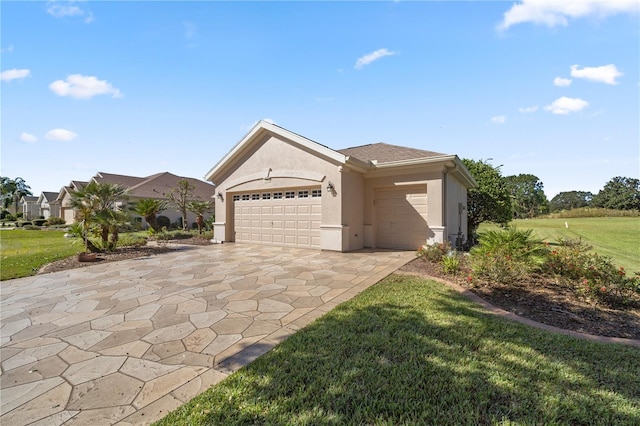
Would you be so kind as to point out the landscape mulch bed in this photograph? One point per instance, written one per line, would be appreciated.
(543, 300)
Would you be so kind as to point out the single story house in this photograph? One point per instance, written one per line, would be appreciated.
(277, 187)
(30, 208)
(47, 204)
(156, 186)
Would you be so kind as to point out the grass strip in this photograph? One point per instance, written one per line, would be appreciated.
(411, 351)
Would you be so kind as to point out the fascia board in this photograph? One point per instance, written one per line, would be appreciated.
(451, 161)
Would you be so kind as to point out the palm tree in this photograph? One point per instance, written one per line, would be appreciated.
(13, 190)
(102, 200)
(149, 209)
(199, 208)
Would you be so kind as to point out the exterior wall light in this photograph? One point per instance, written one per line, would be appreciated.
(330, 187)
(220, 196)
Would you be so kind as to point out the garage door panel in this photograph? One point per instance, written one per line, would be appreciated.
(290, 220)
(401, 217)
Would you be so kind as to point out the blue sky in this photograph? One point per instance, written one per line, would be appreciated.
(540, 87)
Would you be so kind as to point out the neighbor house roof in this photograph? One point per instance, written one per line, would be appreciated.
(48, 195)
(123, 180)
(156, 185)
(385, 153)
(29, 198)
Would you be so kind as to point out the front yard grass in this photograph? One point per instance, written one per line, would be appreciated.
(412, 351)
(23, 252)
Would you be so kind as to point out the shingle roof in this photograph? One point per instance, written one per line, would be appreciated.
(50, 196)
(123, 180)
(30, 198)
(385, 153)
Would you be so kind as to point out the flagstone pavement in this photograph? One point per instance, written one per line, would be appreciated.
(127, 342)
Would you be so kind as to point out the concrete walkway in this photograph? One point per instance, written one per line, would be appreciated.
(127, 342)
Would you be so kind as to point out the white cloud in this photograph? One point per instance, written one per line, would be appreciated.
(61, 135)
(605, 74)
(58, 10)
(498, 119)
(373, 56)
(83, 87)
(566, 105)
(562, 82)
(556, 12)
(27, 137)
(526, 110)
(7, 49)
(14, 74)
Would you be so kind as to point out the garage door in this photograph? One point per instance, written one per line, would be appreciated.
(287, 217)
(401, 218)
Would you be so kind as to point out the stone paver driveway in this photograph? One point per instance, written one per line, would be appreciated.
(127, 342)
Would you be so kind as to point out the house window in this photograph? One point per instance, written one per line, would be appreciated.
(316, 193)
(290, 194)
(255, 196)
(266, 196)
(277, 195)
(303, 194)
(236, 198)
(245, 197)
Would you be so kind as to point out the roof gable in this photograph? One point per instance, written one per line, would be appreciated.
(257, 134)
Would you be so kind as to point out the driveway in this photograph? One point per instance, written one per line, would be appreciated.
(127, 342)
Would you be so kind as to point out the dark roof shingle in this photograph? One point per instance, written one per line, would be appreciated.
(385, 153)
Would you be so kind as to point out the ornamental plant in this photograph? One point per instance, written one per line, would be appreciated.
(507, 256)
(434, 252)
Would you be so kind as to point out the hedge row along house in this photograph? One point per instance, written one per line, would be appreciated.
(157, 186)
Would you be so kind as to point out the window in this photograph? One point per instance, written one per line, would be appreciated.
(255, 196)
(277, 195)
(316, 193)
(245, 197)
(303, 194)
(290, 194)
(266, 195)
(236, 198)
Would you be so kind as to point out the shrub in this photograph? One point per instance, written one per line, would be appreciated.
(6, 215)
(39, 222)
(434, 252)
(20, 223)
(451, 263)
(592, 275)
(163, 221)
(507, 256)
(31, 228)
(55, 221)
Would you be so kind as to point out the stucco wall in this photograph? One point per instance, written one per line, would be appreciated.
(456, 219)
(271, 163)
(352, 210)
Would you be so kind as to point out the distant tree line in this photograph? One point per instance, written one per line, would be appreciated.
(499, 199)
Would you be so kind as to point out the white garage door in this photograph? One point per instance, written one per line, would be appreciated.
(287, 217)
(401, 218)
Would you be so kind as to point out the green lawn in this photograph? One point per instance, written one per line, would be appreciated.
(23, 252)
(616, 237)
(412, 351)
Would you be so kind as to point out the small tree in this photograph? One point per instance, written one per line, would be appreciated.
(199, 208)
(149, 209)
(181, 195)
(527, 195)
(620, 193)
(490, 201)
(569, 200)
(13, 190)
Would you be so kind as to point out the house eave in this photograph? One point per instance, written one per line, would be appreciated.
(451, 164)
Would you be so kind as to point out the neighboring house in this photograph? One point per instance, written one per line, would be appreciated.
(30, 208)
(47, 205)
(277, 187)
(155, 186)
(67, 212)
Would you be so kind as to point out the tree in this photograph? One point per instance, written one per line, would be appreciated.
(101, 199)
(149, 209)
(490, 201)
(199, 208)
(620, 193)
(181, 195)
(13, 190)
(527, 196)
(570, 200)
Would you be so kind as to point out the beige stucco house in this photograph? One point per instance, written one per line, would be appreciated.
(30, 208)
(48, 205)
(277, 187)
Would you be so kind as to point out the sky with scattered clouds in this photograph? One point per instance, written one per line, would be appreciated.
(549, 88)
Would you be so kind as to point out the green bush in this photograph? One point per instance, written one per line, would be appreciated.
(39, 222)
(507, 256)
(451, 263)
(21, 223)
(31, 228)
(55, 221)
(592, 275)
